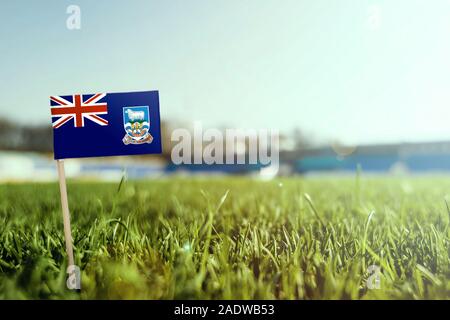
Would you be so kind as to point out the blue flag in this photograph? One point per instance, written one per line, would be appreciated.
(106, 124)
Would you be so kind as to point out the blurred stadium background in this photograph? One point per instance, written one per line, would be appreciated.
(26, 154)
(364, 73)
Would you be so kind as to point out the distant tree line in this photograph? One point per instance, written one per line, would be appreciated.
(19, 137)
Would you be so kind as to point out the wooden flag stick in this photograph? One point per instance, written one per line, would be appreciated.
(65, 210)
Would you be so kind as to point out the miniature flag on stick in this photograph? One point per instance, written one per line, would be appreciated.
(113, 124)
(98, 125)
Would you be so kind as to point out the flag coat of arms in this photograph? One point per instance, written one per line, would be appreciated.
(106, 124)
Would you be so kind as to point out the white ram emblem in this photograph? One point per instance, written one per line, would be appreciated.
(137, 125)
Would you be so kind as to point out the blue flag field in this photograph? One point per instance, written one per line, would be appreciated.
(106, 124)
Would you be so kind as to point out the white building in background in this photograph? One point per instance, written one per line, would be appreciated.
(28, 166)
(20, 166)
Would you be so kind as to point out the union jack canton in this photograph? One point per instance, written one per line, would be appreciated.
(79, 107)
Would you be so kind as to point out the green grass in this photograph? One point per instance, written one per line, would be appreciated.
(229, 238)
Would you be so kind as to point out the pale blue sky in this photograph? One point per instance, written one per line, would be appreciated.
(315, 64)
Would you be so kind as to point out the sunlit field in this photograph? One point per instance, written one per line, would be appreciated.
(230, 238)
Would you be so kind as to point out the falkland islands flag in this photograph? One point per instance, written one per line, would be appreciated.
(105, 124)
